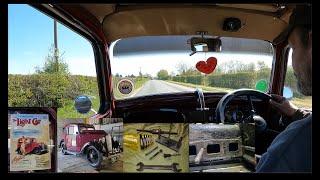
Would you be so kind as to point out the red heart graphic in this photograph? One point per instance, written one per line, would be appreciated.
(207, 67)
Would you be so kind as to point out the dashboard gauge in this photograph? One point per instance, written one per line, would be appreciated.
(237, 116)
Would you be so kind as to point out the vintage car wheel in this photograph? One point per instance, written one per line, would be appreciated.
(18, 151)
(94, 156)
(37, 150)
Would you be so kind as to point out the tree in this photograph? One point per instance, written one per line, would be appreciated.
(52, 65)
(250, 67)
(140, 73)
(182, 68)
(231, 67)
(163, 74)
(218, 70)
(239, 66)
(148, 76)
(191, 71)
(262, 65)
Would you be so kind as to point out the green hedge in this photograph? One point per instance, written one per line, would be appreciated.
(47, 89)
(231, 80)
(237, 80)
(234, 81)
(194, 79)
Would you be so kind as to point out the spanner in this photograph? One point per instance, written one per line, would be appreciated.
(173, 167)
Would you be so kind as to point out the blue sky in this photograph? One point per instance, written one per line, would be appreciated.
(30, 35)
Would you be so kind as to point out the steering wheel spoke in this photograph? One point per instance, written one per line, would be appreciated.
(252, 110)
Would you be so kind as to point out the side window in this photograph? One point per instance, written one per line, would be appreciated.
(192, 150)
(48, 69)
(71, 130)
(75, 130)
(213, 148)
(298, 99)
(233, 147)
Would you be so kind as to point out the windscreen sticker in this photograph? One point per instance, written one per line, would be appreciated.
(125, 86)
(208, 66)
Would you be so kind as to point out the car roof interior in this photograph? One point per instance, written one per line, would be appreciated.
(259, 21)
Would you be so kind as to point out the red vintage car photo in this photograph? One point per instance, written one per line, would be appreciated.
(28, 145)
(84, 139)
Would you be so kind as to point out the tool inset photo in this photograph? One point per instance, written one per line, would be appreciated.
(156, 147)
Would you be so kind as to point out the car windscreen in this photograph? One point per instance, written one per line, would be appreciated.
(81, 128)
(150, 65)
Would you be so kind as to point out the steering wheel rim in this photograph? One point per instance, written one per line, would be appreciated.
(220, 109)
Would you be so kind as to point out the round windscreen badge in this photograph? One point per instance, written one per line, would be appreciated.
(125, 86)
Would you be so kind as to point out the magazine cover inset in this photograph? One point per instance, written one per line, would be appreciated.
(29, 142)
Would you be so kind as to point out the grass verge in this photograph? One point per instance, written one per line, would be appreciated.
(69, 111)
(304, 102)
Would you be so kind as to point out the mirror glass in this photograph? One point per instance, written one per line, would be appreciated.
(287, 92)
(201, 47)
(199, 44)
(82, 104)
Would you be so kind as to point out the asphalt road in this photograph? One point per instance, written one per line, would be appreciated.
(159, 87)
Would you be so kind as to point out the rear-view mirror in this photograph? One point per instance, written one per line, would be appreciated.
(201, 44)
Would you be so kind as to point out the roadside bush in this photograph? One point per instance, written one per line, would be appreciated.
(37, 90)
(197, 79)
(234, 80)
(48, 89)
(230, 80)
(179, 78)
(193, 79)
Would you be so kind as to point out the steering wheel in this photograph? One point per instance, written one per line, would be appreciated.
(260, 123)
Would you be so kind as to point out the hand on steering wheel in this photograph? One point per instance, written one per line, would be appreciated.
(282, 105)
